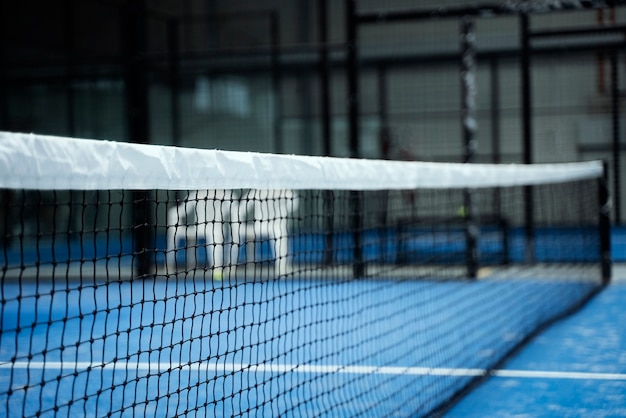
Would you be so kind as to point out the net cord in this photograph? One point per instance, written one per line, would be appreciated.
(29, 161)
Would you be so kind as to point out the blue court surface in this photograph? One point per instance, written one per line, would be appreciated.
(184, 345)
(576, 368)
(277, 348)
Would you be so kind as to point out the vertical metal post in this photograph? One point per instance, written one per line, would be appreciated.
(526, 89)
(138, 128)
(496, 151)
(384, 133)
(173, 41)
(134, 44)
(6, 195)
(353, 124)
(69, 67)
(529, 218)
(605, 227)
(353, 79)
(4, 94)
(303, 80)
(615, 144)
(496, 155)
(385, 152)
(468, 88)
(324, 73)
(276, 73)
(468, 108)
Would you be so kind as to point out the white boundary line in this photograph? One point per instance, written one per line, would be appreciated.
(537, 374)
(295, 368)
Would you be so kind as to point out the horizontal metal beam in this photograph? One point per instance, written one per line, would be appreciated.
(290, 61)
(505, 8)
(591, 30)
(439, 13)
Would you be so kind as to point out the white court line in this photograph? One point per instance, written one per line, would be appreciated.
(536, 374)
(300, 368)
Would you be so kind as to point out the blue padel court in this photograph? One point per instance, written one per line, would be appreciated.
(317, 208)
(276, 348)
(575, 368)
(185, 344)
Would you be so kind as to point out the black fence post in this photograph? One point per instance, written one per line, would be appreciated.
(173, 53)
(353, 138)
(615, 144)
(136, 83)
(69, 66)
(529, 218)
(605, 226)
(325, 111)
(468, 107)
(276, 77)
(4, 84)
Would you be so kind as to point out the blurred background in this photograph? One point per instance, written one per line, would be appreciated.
(272, 76)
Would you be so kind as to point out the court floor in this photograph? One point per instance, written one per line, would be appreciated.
(575, 368)
(265, 348)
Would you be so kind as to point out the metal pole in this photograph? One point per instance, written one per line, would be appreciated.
(526, 100)
(69, 67)
(173, 40)
(496, 157)
(605, 227)
(353, 139)
(468, 108)
(384, 133)
(468, 89)
(324, 73)
(353, 79)
(138, 129)
(384, 138)
(4, 93)
(529, 220)
(615, 148)
(275, 65)
(496, 151)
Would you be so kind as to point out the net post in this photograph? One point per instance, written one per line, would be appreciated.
(468, 106)
(605, 225)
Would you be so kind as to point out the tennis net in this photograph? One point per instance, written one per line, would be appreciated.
(148, 280)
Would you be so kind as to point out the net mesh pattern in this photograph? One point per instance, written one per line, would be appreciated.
(253, 302)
